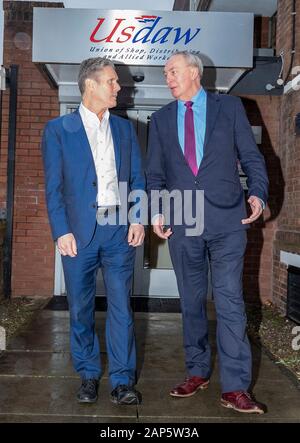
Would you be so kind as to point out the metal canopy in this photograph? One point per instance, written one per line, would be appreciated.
(150, 91)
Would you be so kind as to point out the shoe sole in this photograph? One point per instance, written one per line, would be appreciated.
(134, 402)
(228, 405)
(87, 401)
(200, 388)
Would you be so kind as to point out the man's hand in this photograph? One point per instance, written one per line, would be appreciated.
(136, 235)
(256, 207)
(67, 245)
(158, 227)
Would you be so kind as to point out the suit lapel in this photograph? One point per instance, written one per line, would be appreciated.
(212, 109)
(173, 129)
(116, 140)
(78, 130)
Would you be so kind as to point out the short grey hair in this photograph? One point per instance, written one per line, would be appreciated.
(192, 60)
(89, 68)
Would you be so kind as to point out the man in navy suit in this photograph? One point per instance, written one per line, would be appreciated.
(87, 154)
(195, 143)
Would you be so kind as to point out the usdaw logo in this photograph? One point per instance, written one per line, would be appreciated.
(125, 30)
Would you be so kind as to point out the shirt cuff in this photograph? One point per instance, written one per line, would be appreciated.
(263, 205)
(154, 218)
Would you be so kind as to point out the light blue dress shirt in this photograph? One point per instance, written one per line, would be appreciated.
(199, 110)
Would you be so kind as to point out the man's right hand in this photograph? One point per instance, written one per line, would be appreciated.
(67, 245)
(158, 227)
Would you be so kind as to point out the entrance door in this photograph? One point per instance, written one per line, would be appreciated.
(153, 273)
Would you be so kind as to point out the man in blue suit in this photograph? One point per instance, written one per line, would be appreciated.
(195, 143)
(87, 155)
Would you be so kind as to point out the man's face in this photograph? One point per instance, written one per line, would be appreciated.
(106, 87)
(181, 78)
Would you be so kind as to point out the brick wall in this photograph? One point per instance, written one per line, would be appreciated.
(263, 111)
(288, 221)
(280, 229)
(33, 251)
(261, 32)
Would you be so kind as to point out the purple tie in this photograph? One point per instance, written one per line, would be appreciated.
(189, 138)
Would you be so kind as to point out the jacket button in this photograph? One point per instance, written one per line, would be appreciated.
(94, 184)
(94, 205)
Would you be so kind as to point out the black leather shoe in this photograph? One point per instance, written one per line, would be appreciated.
(126, 395)
(88, 391)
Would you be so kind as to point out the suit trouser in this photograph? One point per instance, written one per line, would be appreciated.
(109, 250)
(225, 253)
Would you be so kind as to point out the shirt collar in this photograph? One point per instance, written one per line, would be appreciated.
(90, 119)
(197, 99)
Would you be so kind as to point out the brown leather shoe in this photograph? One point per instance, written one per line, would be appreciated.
(189, 387)
(241, 401)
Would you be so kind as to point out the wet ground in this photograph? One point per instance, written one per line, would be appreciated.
(38, 383)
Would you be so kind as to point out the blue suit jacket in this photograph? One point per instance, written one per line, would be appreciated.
(70, 175)
(228, 138)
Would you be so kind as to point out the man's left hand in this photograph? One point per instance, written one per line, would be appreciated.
(136, 235)
(256, 207)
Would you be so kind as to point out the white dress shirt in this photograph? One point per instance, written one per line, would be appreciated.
(102, 147)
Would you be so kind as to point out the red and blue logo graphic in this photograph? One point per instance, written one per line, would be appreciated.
(146, 18)
(154, 33)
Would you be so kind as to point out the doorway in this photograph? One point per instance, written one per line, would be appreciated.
(153, 273)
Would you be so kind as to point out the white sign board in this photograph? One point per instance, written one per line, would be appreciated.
(165, 5)
(141, 37)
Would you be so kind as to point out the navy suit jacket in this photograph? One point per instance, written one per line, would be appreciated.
(70, 174)
(228, 138)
